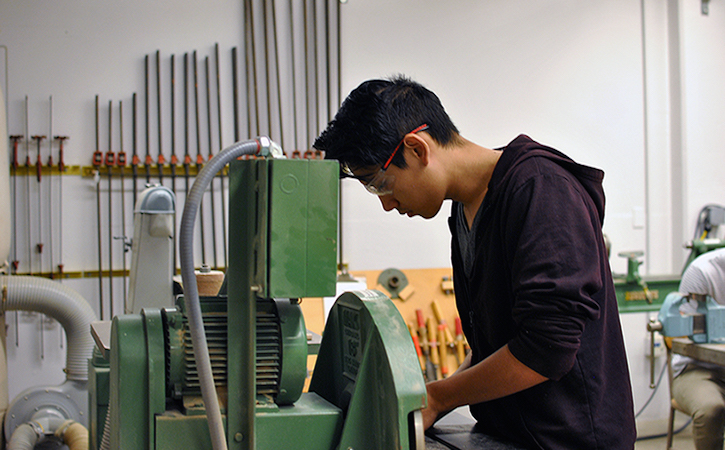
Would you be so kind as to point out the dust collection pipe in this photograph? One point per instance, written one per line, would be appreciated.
(27, 435)
(262, 146)
(70, 309)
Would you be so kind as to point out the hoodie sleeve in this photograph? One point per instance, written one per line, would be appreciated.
(551, 232)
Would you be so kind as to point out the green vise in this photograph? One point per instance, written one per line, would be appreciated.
(366, 390)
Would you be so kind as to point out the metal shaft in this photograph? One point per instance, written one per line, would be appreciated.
(174, 159)
(210, 156)
(110, 162)
(161, 159)
(221, 145)
(121, 162)
(199, 157)
(149, 160)
(27, 186)
(50, 187)
(97, 162)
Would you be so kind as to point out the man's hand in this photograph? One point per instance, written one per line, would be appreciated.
(497, 376)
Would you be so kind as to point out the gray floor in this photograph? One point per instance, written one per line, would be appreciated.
(681, 441)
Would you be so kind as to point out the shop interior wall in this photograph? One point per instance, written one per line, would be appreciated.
(631, 86)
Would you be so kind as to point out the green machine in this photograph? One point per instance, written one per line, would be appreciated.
(149, 386)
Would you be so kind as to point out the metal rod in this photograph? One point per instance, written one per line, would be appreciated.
(174, 159)
(161, 159)
(121, 162)
(14, 266)
(252, 64)
(267, 69)
(27, 185)
(279, 83)
(50, 186)
(148, 160)
(110, 162)
(16, 141)
(210, 156)
(199, 157)
(187, 156)
(235, 94)
(39, 245)
(292, 74)
(221, 145)
(97, 158)
(61, 169)
(38, 169)
(135, 160)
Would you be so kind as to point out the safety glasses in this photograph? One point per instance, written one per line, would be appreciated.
(381, 183)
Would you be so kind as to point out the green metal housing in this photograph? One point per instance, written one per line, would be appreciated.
(367, 388)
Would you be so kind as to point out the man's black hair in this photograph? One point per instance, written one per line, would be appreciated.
(376, 116)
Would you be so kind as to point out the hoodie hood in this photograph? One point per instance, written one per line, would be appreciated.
(523, 147)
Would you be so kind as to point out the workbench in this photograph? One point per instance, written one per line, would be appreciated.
(711, 353)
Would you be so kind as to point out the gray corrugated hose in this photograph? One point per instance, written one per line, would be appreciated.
(26, 293)
(262, 146)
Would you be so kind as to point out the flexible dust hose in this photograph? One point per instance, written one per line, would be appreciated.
(262, 146)
(68, 307)
(74, 435)
(28, 434)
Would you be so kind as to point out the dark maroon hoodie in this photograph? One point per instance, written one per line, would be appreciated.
(541, 283)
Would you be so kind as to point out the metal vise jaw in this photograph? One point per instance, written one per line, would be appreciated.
(703, 322)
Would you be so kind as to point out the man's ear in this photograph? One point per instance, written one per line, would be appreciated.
(419, 146)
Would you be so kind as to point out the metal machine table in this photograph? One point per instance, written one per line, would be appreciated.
(458, 432)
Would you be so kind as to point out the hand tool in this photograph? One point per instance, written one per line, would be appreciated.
(174, 160)
(433, 342)
(460, 342)
(14, 265)
(278, 76)
(251, 59)
(121, 163)
(416, 344)
(27, 186)
(161, 159)
(235, 93)
(110, 162)
(199, 157)
(38, 169)
(187, 156)
(293, 80)
(97, 161)
(448, 341)
(16, 141)
(135, 160)
(39, 246)
(61, 169)
(442, 350)
(425, 346)
(221, 145)
(210, 156)
(149, 160)
(50, 187)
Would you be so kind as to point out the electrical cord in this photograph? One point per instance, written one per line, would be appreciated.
(649, 400)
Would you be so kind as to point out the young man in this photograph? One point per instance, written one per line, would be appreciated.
(547, 366)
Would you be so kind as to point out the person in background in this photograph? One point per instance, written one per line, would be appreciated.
(699, 387)
(547, 367)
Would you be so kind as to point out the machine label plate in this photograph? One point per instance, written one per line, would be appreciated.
(351, 345)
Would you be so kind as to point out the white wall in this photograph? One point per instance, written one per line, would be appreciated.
(631, 86)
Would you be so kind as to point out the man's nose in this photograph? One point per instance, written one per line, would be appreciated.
(388, 202)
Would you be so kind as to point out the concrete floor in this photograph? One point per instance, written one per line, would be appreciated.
(681, 441)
